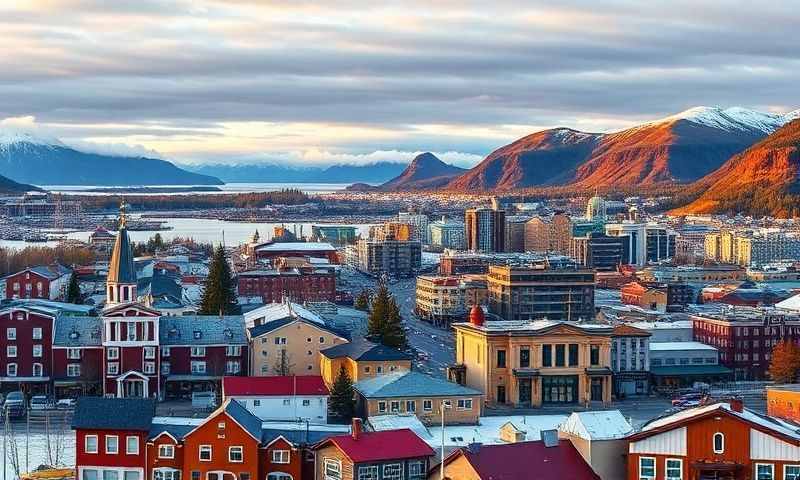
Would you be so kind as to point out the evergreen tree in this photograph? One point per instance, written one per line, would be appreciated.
(362, 301)
(74, 290)
(342, 404)
(385, 324)
(785, 364)
(393, 334)
(219, 296)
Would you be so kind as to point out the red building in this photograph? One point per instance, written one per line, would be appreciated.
(77, 356)
(745, 337)
(26, 336)
(307, 283)
(718, 441)
(48, 282)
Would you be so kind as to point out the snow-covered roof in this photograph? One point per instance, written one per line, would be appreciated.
(663, 325)
(277, 311)
(600, 425)
(296, 246)
(676, 346)
(791, 303)
(532, 326)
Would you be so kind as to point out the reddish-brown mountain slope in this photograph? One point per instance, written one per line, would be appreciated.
(424, 172)
(763, 180)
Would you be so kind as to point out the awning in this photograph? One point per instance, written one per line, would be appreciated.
(598, 371)
(24, 379)
(193, 378)
(74, 383)
(715, 465)
(526, 372)
(689, 370)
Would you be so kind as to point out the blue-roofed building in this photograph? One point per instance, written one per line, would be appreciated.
(362, 359)
(77, 356)
(418, 394)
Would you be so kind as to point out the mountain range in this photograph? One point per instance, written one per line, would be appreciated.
(25, 157)
(425, 172)
(680, 148)
(760, 181)
(374, 173)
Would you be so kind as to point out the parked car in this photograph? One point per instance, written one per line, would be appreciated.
(14, 405)
(204, 400)
(41, 402)
(65, 404)
(688, 400)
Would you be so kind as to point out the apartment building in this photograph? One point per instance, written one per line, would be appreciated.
(485, 229)
(552, 234)
(440, 300)
(447, 233)
(401, 258)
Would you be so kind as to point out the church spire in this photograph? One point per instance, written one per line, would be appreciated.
(121, 280)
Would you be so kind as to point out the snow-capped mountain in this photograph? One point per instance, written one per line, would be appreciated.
(734, 118)
(41, 160)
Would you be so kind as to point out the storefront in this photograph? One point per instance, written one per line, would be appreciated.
(559, 389)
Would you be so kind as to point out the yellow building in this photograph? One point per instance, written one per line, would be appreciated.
(530, 363)
(361, 360)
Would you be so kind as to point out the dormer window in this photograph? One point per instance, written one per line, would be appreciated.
(198, 334)
(73, 335)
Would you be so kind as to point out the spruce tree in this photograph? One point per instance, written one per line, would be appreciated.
(74, 290)
(393, 334)
(341, 404)
(219, 296)
(362, 301)
(385, 323)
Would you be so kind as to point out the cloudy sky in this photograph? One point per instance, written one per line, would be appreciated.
(232, 81)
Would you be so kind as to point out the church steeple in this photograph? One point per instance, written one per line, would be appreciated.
(121, 281)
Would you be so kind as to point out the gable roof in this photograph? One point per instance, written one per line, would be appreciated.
(598, 425)
(273, 325)
(502, 462)
(625, 330)
(274, 386)
(236, 412)
(73, 331)
(296, 246)
(378, 446)
(100, 413)
(410, 384)
(50, 272)
(213, 330)
(366, 351)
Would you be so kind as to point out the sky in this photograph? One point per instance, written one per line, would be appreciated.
(289, 81)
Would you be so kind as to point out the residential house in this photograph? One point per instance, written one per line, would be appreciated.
(601, 439)
(296, 397)
(722, 441)
(48, 282)
(362, 359)
(387, 455)
(422, 395)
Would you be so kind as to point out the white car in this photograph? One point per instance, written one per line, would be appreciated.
(65, 404)
(41, 402)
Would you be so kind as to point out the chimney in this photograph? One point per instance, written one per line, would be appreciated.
(736, 404)
(474, 447)
(356, 428)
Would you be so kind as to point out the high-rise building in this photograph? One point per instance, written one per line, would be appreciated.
(446, 233)
(335, 234)
(532, 292)
(392, 231)
(596, 208)
(515, 233)
(549, 234)
(402, 258)
(485, 229)
(645, 242)
(419, 225)
(598, 251)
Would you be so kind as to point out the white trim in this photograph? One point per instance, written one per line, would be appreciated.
(138, 446)
(163, 433)
(200, 453)
(230, 450)
(771, 467)
(666, 468)
(785, 466)
(96, 443)
(714, 442)
(221, 409)
(639, 469)
(165, 445)
(105, 446)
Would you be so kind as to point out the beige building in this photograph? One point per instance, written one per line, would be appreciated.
(286, 339)
(362, 360)
(552, 234)
(439, 299)
(531, 363)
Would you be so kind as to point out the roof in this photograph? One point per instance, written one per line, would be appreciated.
(663, 325)
(279, 311)
(213, 330)
(791, 303)
(243, 417)
(410, 384)
(274, 386)
(678, 370)
(378, 446)
(294, 432)
(160, 285)
(599, 425)
(100, 413)
(296, 246)
(502, 462)
(535, 327)
(626, 330)
(73, 331)
(676, 346)
(273, 325)
(51, 272)
(47, 307)
(121, 268)
(365, 351)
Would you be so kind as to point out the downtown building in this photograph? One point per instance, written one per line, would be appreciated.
(419, 225)
(298, 280)
(485, 229)
(446, 233)
(402, 258)
(598, 251)
(643, 243)
(549, 234)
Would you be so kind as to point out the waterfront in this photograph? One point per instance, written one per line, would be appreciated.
(233, 187)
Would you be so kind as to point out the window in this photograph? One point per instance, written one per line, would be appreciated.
(647, 468)
(333, 469)
(166, 474)
(395, 406)
(369, 472)
(560, 352)
(791, 472)
(74, 354)
(674, 469)
(547, 355)
(236, 454)
(73, 370)
(113, 368)
(149, 353)
(382, 407)
(198, 351)
(244, 476)
(112, 444)
(464, 404)
(198, 367)
(280, 456)
(427, 405)
(110, 475)
(306, 403)
(501, 359)
(37, 333)
(594, 355)
(525, 358)
(416, 470)
(280, 340)
(233, 350)
(321, 339)
(411, 406)
(765, 471)
(38, 370)
(149, 368)
(281, 475)
(11, 333)
(90, 444)
(718, 441)
(256, 403)
(113, 353)
(205, 453)
(11, 369)
(573, 354)
(89, 474)
(132, 445)
(11, 351)
(195, 475)
(392, 471)
(165, 368)
(287, 401)
(166, 451)
(131, 331)
(165, 351)
(366, 370)
(232, 367)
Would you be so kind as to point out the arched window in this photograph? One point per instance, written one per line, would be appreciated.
(719, 442)
(38, 370)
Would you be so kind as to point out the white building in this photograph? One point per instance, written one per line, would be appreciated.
(419, 224)
(280, 398)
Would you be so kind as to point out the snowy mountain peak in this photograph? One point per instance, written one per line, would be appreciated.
(731, 119)
(793, 115)
(10, 136)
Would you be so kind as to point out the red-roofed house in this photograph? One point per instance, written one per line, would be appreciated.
(280, 397)
(505, 462)
(386, 455)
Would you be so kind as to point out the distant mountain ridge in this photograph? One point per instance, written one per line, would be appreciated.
(425, 172)
(42, 161)
(679, 148)
(375, 173)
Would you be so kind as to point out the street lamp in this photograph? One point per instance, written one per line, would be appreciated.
(444, 405)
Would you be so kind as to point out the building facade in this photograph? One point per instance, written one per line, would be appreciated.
(447, 233)
(307, 282)
(440, 300)
(552, 234)
(393, 257)
(485, 229)
(597, 251)
(48, 282)
(630, 360)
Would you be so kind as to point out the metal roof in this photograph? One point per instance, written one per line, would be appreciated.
(72, 331)
(202, 330)
(114, 413)
(121, 268)
(410, 384)
(366, 351)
